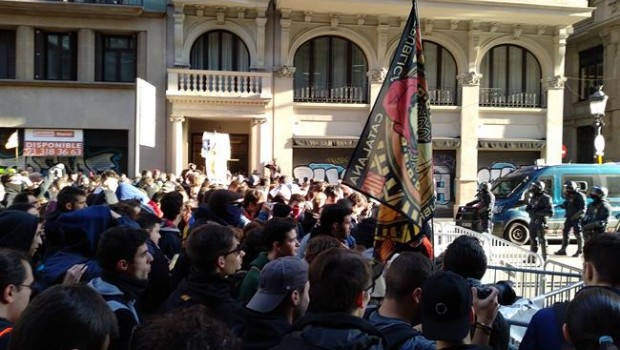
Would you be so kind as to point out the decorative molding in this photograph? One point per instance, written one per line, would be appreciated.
(334, 21)
(471, 78)
(540, 30)
(553, 83)
(200, 10)
(177, 119)
(286, 13)
(377, 75)
(258, 121)
(454, 24)
(241, 12)
(361, 19)
(517, 31)
(614, 5)
(403, 22)
(223, 101)
(284, 72)
(221, 15)
(307, 16)
(493, 27)
(428, 27)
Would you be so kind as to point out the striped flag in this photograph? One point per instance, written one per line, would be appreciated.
(393, 159)
(13, 141)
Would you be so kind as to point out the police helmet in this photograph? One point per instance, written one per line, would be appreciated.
(485, 187)
(599, 192)
(570, 185)
(537, 186)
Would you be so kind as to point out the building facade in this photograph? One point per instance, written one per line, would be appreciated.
(296, 80)
(68, 74)
(592, 60)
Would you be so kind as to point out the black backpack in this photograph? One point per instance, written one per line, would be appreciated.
(395, 334)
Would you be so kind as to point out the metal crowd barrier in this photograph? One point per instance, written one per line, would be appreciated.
(499, 251)
(535, 284)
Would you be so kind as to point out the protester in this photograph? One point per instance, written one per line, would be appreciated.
(592, 319)
(215, 254)
(125, 260)
(280, 239)
(281, 299)
(65, 318)
(20, 231)
(340, 287)
(16, 284)
(601, 257)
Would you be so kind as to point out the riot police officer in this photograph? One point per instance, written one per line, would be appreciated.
(539, 207)
(597, 214)
(575, 207)
(484, 203)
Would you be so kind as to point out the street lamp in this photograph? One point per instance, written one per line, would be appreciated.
(598, 101)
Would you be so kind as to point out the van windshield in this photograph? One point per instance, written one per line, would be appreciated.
(504, 187)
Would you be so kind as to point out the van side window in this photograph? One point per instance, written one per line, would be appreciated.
(584, 182)
(613, 185)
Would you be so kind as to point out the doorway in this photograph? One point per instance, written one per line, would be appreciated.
(239, 153)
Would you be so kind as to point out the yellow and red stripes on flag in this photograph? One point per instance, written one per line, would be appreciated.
(392, 162)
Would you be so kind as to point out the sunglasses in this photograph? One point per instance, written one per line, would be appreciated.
(238, 249)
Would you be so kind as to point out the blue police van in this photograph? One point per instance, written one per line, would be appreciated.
(511, 191)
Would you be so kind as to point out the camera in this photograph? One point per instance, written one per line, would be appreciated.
(506, 295)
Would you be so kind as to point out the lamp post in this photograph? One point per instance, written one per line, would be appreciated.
(598, 101)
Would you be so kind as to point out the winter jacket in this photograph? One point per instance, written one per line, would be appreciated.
(334, 331)
(250, 282)
(263, 331)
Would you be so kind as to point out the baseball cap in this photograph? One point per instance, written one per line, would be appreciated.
(222, 197)
(277, 279)
(446, 307)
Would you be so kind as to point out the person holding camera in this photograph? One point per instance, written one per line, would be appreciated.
(597, 214)
(484, 203)
(574, 205)
(466, 257)
(540, 208)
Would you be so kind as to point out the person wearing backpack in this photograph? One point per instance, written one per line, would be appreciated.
(400, 310)
(125, 260)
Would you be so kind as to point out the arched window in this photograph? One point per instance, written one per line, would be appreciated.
(330, 69)
(219, 50)
(510, 78)
(440, 74)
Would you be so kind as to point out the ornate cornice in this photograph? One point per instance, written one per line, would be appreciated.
(552, 83)
(471, 78)
(286, 72)
(377, 75)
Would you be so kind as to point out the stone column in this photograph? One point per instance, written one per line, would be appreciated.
(86, 55)
(177, 149)
(376, 77)
(24, 53)
(611, 87)
(261, 21)
(283, 118)
(552, 153)
(467, 155)
(179, 36)
(285, 36)
(260, 142)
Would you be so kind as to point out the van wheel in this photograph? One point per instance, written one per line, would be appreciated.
(517, 233)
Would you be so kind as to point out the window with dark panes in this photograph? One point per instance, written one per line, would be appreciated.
(510, 78)
(590, 71)
(55, 55)
(440, 74)
(330, 69)
(220, 50)
(116, 58)
(7, 54)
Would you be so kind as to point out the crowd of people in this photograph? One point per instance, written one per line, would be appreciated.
(101, 261)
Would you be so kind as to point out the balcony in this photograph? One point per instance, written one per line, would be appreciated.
(243, 87)
(105, 2)
(497, 97)
(343, 94)
(442, 97)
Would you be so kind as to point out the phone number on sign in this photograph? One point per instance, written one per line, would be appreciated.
(54, 152)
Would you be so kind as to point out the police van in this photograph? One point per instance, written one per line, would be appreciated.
(511, 191)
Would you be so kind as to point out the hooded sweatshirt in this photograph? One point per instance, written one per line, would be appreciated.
(17, 230)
